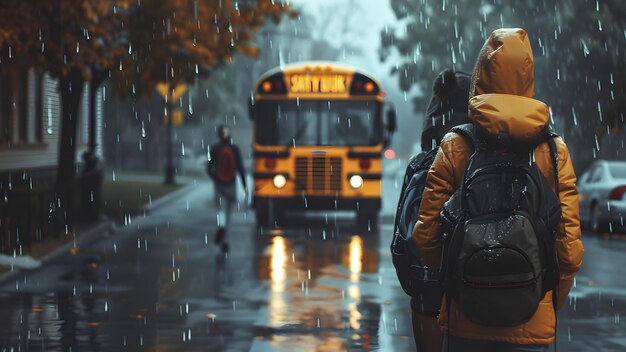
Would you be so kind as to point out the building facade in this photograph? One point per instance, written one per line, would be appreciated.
(30, 122)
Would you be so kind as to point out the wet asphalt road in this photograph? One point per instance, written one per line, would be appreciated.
(320, 284)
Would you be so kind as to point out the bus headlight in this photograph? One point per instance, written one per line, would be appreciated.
(279, 181)
(356, 182)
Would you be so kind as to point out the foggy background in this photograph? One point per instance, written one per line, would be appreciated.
(579, 69)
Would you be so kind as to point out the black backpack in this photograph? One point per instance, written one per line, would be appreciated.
(499, 233)
(416, 280)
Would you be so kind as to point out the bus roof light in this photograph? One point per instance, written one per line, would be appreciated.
(267, 86)
(363, 85)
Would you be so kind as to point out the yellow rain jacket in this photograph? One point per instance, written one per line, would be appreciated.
(502, 90)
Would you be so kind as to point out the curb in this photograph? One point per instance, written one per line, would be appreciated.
(100, 230)
(168, 198)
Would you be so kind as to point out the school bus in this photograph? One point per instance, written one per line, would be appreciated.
(318, 138)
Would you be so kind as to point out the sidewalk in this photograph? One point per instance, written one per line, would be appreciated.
(12, 266)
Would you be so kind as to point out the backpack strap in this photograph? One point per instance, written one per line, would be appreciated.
(554, 153)
(468, 131)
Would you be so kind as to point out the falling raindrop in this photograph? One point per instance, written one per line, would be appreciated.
(585, 49)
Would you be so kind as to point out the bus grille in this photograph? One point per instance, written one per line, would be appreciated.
(318, 174)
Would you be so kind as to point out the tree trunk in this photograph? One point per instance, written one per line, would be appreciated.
(71, 88)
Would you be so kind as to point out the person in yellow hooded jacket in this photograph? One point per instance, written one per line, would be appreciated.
(501, 101)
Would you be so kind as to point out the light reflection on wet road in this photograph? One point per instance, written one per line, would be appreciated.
(160, 284)
(319, 284)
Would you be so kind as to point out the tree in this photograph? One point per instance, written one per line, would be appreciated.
(579, 55)
(177, 42)
(64, 38)
(180, 41)
(584, 63)
(137, 44)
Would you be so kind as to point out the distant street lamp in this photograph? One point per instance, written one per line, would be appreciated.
(170, 94)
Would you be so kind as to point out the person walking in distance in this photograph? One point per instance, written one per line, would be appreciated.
(499, 213)
(224, 165)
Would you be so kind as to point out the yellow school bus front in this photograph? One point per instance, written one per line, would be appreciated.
(318, 139)
(323, 172)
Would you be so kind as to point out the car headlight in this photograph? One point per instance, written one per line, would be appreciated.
(279, 181)
(356, 182)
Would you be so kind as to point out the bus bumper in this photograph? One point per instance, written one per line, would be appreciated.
(319, 203)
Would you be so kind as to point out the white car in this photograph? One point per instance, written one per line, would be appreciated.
(602, 188)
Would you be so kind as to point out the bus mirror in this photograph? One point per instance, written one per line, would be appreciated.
(391, 120)
(251, 108)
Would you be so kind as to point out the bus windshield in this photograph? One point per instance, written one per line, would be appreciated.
(318, 122)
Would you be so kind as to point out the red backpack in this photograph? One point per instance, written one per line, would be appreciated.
(226, 166)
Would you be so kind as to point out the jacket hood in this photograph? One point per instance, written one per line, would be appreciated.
(450, 92)
(511, 117)
(505, 65)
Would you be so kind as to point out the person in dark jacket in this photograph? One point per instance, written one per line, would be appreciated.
(224, 165)
(447, 108)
